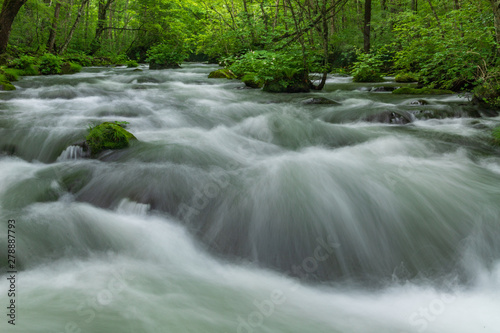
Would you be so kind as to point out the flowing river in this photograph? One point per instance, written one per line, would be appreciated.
(243, 211)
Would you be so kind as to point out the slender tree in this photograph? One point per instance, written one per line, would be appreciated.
(53, 28)
(366, 26)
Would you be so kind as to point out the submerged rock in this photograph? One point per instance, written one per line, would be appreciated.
(402, 117)
(419, 102)
(383, 89)
(108, 136)
(320, 101)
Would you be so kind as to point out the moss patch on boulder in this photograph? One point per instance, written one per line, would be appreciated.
(5, 84)
(421, 91)
(224, 73)
(108, 136)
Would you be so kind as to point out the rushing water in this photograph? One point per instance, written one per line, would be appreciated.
(243, 211)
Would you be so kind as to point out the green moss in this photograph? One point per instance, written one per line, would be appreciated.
(4, 85)
(108, 136)
(222, 74)
(496, 135)
(406, 78)
(421, 91)
(70, 68)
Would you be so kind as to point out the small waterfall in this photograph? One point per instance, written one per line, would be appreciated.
(131, 207)
(71, 153)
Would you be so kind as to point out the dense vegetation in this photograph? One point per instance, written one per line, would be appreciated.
(444, 44)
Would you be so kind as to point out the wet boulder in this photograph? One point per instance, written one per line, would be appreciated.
(320, 101)
(108, 136)
(223, 73)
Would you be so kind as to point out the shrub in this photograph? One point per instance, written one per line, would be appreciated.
(132, 64)
(406, 77)
(276, 71)
(165, 56)
(367, 69)
(50, 64)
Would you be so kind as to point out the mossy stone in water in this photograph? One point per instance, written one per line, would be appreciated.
(222, 74)
(108, 136)
(4, 85)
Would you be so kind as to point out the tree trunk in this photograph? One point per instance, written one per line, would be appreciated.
(64, 46)
(366, 26)
(414, 6)
(101, 22)
(495, 4)
(9, 11)
(53, 28)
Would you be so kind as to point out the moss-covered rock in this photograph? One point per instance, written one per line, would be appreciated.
(108, 136)
(422, 91)
(70, 68)
(406, 77)
(223, 73)
(5, 84)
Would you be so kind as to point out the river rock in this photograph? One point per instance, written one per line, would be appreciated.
(108, 136)
(320, 101)
(223, 73)
(390, 117)
(383, 89)
(419, 102)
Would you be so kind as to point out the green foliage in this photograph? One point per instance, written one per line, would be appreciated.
(50, 64)
(132, 64)
(421, 91)
(487, 89)
(444, 54)
(23, 62)
(108, 136)
(5, 84)
(79, 58)
(406, 77)
(367, 69)
(165, 56)
(281, 68)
